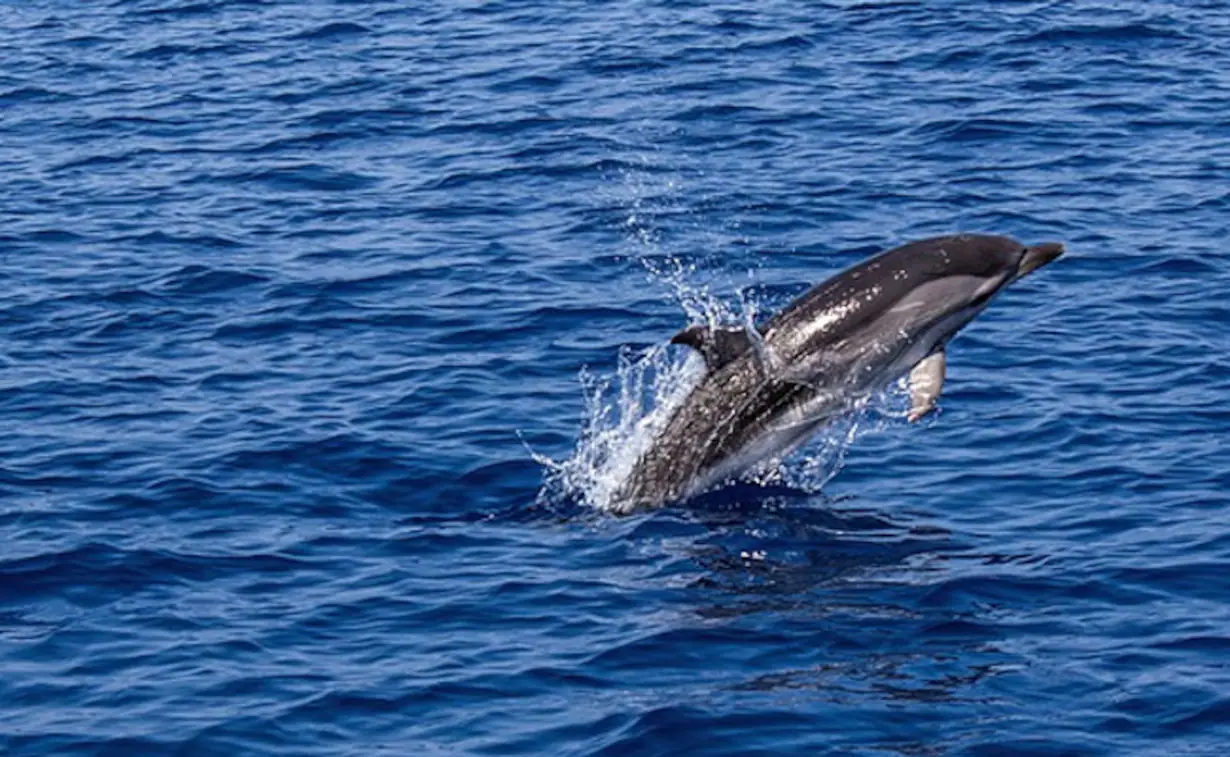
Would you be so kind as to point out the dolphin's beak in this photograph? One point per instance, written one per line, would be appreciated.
(1038, 256)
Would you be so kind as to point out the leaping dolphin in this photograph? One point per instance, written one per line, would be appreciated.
(768, 389)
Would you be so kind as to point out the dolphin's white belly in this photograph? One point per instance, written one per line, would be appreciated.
(781, 436)
(772, 445)
(873, 375)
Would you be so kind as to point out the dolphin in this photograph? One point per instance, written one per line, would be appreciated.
(768, 389)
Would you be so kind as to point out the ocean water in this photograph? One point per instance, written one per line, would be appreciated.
(319, 321)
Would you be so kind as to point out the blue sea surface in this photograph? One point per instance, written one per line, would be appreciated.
(300, 300)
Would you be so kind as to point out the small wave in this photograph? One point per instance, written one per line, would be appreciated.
(1089, 34)
(333, 31)
(777, 44)
(31, 94)
(191, 9)
(87, 571)
(167, 51)
(1178, 267)
(94, 161)
(165, 239)
(308, 177)
(199, 279)
(974, 129)
(52, 236)
(305, 177)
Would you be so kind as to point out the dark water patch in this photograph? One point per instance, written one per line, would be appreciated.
(332, 31)
(500, 127)
(1086, 34)
(128, 325)
(1179, 266)
(165, 239)
(184, 10)
(314, 141)
(96, 573)
(794, 42)
(171, 51)
(976, 130)
(52, 236)
(233, 380)
(95, 161)
(199, 279)
(306, 177)
(132, 296)
(531, 83)
(31, 95)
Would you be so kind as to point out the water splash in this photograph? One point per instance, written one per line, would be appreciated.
(625, 412)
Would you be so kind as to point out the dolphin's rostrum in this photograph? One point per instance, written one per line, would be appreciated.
(767, 390)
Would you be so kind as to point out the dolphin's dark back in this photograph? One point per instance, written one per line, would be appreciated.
(861, 292)
(721, 415)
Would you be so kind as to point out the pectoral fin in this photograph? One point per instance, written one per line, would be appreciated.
(717, 346)
(926, 381)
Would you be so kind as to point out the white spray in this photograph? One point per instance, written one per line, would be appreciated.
(626, 411)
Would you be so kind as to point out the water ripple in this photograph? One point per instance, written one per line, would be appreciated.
(289, 289)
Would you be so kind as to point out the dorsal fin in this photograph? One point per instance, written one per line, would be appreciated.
(717, 346)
